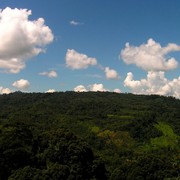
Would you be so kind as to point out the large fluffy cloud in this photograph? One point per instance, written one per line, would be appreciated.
(50, 74)
(155, 83)
(21, 84)
(21, 38)
(4, 90)
(75, 60)
(150, 56)
(111, 73)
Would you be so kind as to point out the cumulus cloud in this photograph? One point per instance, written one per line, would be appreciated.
(92, 87)
(117, 90)
(51, 91)
(4, 90)
(80, 88)
(75, 23)
(21, 84)
(75, 60)
(97, 87)
(21, 38)
(50, 74)
(150, 56)
(155, 83)
(111, 73)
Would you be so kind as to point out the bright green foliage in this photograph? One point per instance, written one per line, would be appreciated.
(166, 130)
(95, 129)
(169, 138)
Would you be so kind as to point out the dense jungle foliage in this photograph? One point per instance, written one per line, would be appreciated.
(90, 135)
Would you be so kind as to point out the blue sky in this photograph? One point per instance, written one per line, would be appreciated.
(89, 45)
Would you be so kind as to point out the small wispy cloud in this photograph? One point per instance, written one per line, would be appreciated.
(51, 74)
(75, 23)
(94, 75)
(51, 91)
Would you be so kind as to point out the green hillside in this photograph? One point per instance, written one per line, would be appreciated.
(90, 135)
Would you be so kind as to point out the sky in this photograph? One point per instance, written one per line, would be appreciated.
(128, 46)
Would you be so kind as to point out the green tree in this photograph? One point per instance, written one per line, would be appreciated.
(16, 142)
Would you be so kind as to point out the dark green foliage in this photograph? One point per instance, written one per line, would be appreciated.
(142, 128)
(15, 147)
(27, 173)
(64, 148)
(92, 135)
(157, 165)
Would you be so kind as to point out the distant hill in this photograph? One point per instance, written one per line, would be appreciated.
(89, 135)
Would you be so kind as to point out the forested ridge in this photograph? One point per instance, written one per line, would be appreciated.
(89, 135)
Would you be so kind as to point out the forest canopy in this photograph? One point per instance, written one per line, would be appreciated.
(89, 135)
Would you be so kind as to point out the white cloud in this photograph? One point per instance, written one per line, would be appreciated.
(117, 90)
(111, 73)
(92, 87)
(94, 76)
(150, 56)
(75, 23)
(21, 84)
(50, 74)
(21, 38)
(155, 83)
(75, 60)
(80, 88)
(97, 87)
(51, 91)
(5, 90)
